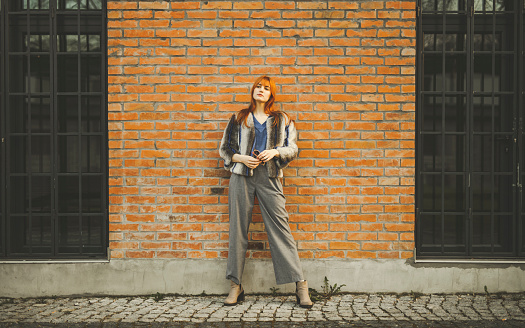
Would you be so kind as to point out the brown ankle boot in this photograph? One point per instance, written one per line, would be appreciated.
(236, 294)
(302, 296)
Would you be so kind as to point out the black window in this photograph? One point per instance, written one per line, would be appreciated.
(54, 130)
(470, 146)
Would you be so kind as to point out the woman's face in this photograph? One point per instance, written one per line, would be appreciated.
(262, 93)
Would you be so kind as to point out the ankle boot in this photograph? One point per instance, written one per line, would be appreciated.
(301, 294)
(236, 294)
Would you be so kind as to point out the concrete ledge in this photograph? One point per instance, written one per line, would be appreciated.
(177, 276)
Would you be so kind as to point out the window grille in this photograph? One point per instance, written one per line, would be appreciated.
(54, 129)
(470, 108)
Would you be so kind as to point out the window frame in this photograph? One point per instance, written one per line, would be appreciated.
(518, 250)
(53, 14)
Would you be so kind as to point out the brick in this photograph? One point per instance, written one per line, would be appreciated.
(154, 5)
(233, 14)
(399, 227)
(140, 254)
(345, 70)
(327, 254)
(279, 5)
(247, 5)
(372, 5)
(344, 245)
(279, 23)
(312, 5)
(217, 5)
(185, 5)
(121, 5)
(202, 33)
(343, 5)
(171, 254)
(361, 254)
(123, 227)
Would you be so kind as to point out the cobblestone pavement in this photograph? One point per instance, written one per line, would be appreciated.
(346, 310)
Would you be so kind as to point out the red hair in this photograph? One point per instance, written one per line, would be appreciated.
(242, 116)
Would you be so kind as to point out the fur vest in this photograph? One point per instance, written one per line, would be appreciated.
(240, 139)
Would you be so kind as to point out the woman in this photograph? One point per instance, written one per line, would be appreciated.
(257, 143)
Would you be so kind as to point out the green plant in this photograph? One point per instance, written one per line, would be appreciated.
(331, 290)
(486, 290)
(158, 297)
(274, 290)
(327, 291)
(415, 295)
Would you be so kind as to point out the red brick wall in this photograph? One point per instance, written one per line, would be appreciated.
(345, 70)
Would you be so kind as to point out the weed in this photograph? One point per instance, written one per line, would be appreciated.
(327, 293)
(415, 295)
(274, 290)
(158, 297)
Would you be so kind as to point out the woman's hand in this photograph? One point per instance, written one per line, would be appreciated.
(249, 161)
(268, 154)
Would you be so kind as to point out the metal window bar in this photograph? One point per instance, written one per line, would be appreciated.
(498, 92)
(2, 132)
(84, 244)
(518, 140)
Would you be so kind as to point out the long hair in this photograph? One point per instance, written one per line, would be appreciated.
(269, 109)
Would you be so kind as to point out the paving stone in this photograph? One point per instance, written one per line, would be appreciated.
(357, 310)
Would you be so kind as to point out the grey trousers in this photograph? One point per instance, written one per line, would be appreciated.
(269, 192)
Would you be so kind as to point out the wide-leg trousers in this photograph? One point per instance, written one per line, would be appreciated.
(269, 192)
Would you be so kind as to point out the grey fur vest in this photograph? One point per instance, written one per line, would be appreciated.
(240, 139)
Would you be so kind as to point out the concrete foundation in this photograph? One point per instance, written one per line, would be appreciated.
(176, 276)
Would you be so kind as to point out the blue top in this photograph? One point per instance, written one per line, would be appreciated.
(260, 135)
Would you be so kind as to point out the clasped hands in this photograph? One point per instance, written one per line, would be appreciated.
(252, 162)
